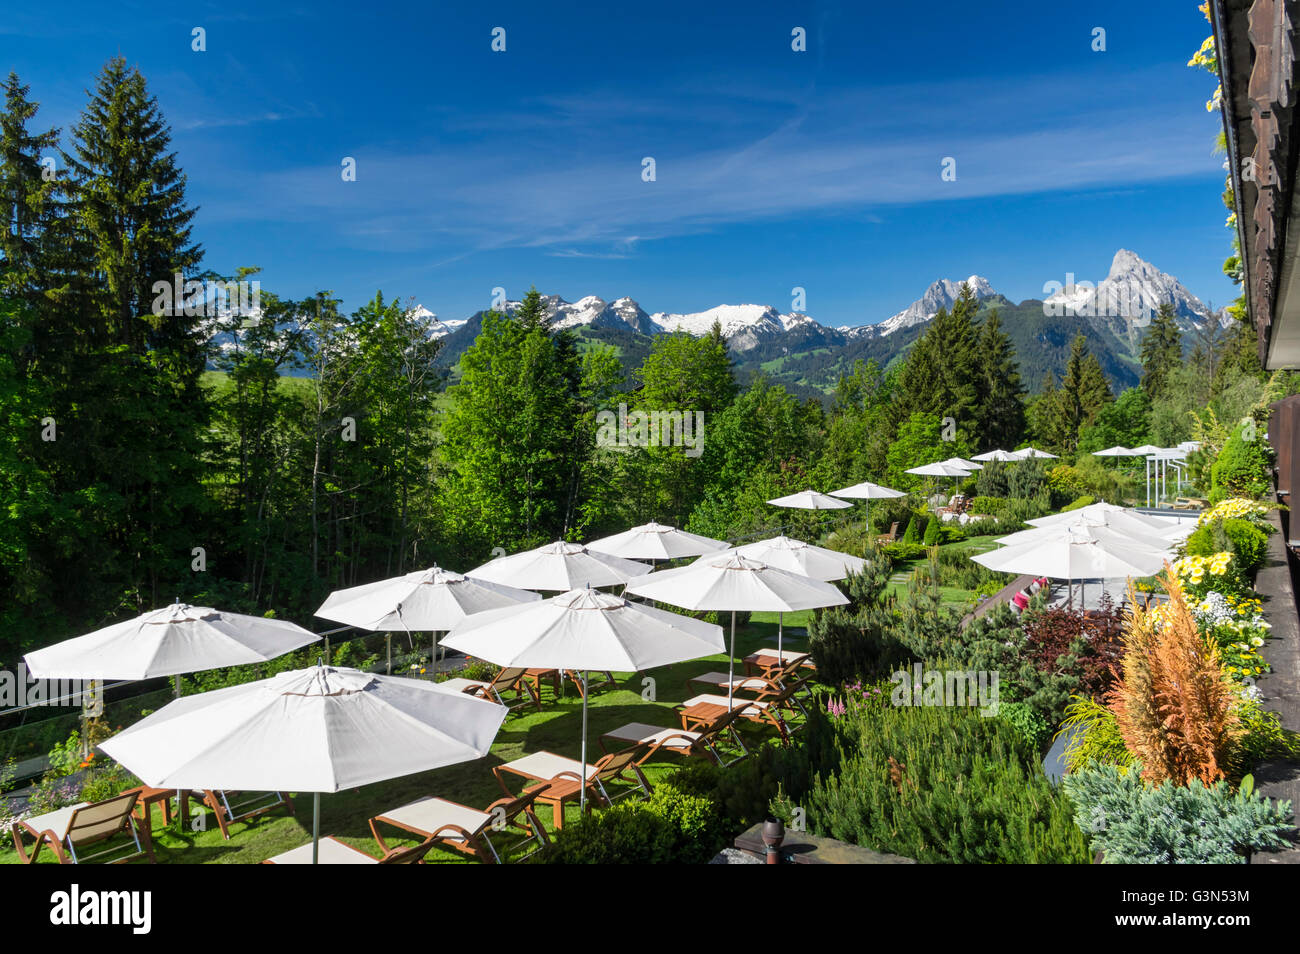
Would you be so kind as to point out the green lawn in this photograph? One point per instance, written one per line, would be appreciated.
(556, 729)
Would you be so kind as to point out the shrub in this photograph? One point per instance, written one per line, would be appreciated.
(848, 642)
(1136, 823)
(1030, 726)
(1094, 737)
(1027, 479)
(1078, 502)
(990, 506)
(1243, 468)
(940, 784)
(915, 527)
(933, 531)
(1249, 544)
(1175, 709)
(669, 826)
(902, 551)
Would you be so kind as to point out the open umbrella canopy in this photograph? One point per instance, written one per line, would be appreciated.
(656, 541)
(310, 730)
(962, 462)
(1145, 450)
(586, 629)
(940, 469)
(559, 566)
(1076, 553)
(732, 581)
(426, 600)
(868, 491)
(1026, 453)
(809, 500)
(1118, 530)
(998, 455)
(1116, 451)
(167, 642)
(796, 556)
(1107, 512)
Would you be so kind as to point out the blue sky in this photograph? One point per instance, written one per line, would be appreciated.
(774, 168)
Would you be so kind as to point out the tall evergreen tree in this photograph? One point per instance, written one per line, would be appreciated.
(27, 199)
(941, 376)
(1162, 350)
(1000, 412)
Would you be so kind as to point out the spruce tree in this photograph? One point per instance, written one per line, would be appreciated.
(1001, 408)
(27, 200)
(1162, 350)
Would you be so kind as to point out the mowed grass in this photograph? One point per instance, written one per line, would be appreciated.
(557, 728)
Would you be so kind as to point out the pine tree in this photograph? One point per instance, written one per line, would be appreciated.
(1059, 414)
(941, 375)
(27, 200)
(133, 224)
(1162, 350)
(1001, 408)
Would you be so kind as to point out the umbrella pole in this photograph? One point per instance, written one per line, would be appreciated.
(433, 660)
(315, 828)
(780, 628)
(731, 662)
(388, 641)
(582, 791)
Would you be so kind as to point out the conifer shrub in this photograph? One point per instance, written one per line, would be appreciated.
(933, 532)
(1133, 822)
(856, 640)
(1243, 468)
(940, 784)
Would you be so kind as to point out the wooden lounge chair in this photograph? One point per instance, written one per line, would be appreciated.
(567, 786)
(768, 706)
(890, 537)
(513, 680)
(70, 831)
(704, 742)
(466, 829)
(229, 807)
(772, 681)
(596, 679)
(335, 852)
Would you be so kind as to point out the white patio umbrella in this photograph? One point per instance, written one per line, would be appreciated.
(1116, 530)
(1116, 451)
(429, 600)
(1026, 453)
(585, 629)
(559, 566)
(796, 556)
(311, 730)
(942, 469)
(810, 500)
(998, 455)
(962, 462)
(656, 541)
(731, 581)
(868, 491)
(168, 642)
(1076, 553)
(1107, 511)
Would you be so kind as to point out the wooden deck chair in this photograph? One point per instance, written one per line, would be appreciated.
(514, 680)
(335, 852)
(567, 786)
(705, 742)
(466, 829)
(229, 807)
(890, 537)
(70, 831)
(596, 679)
(769, 706)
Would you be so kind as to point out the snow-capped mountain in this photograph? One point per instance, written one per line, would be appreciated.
(436, 327)
(1130, 293)
(593, 312)
(744, 326)
(939, 295)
